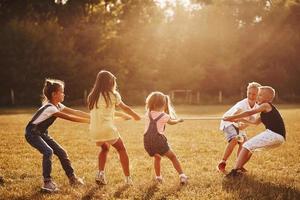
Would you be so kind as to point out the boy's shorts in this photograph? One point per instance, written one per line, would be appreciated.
(231, 132)
(265, 140)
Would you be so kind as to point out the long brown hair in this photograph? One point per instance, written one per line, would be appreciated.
(104, 85)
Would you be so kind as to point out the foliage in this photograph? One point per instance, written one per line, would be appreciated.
(207, 46)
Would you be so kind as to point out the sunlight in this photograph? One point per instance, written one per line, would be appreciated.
(187, 4)
(169, 5)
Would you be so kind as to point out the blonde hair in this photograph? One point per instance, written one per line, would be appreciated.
(158, 100)
(253, 85)
(270, 90)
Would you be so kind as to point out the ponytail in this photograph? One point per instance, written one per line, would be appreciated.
(50, 86)
(169, 108)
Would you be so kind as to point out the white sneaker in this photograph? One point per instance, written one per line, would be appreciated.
(49, 186)
(100, 178)
(159, 179)
(183, 179)
(128, 180)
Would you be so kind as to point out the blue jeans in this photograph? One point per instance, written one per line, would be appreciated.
(46, 145)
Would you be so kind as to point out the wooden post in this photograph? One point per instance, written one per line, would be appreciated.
(242, 92)
(84, 97)
(190, 98)
(198, 97)
(172, 96)
(220, 96)
(12, 96)
(186, 96)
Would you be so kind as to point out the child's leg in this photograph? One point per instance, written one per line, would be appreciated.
(123, 156)
(103, 156)
(266, 139)
(157, 159)
(243, 157)
(230, 134)
(174, 160)
(229, 148)
(241, 145)
(61, 154)
(38, 143)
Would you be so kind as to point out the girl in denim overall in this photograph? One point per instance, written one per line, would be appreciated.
(37, 132)
(159, 113)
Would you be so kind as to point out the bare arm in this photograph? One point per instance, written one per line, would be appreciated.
(129, 111)
(123, 115)
(77, 113)
(255, 121)
(174, 121)
(263, 107)
(72, 118)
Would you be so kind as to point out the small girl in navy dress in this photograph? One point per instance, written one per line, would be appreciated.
(159, 113)
(37, 132)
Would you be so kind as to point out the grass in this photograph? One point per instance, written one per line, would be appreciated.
(199, 145)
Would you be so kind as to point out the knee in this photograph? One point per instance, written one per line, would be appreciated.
(61, 153)
(172, 156)
(233, 141)
(119, 146)
(121, 149)
(105, 148)
(157, 157)
(48, 153)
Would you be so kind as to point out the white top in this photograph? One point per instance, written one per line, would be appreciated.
(48, 112)
(102, 125)
(242, 105)
(160, 123)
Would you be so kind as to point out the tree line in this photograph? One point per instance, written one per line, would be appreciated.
(205, 46)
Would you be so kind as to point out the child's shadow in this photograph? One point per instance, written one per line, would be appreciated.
(171, 192)
(89, 194)
(120, 191)
(36, 195)
(151, 190)
(248, 187)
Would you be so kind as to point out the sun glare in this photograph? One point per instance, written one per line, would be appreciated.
(169, 5)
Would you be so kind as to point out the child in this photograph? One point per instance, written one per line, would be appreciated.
(273, 136)
(102, 101)
(159, 113)
(232, 130)
(37, 132)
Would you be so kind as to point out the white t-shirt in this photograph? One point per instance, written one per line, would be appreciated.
(160, 123)
(48, 112)
(242, 105)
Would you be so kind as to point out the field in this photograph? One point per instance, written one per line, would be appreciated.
(199, 146)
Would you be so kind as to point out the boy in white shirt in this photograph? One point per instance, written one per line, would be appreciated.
(234, 132)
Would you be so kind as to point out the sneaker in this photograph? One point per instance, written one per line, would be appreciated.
(128, 180)
(74, 180)
(159, 179)
(234, 173)
(221, 166)
(49, 186)
(183, 179)
(100, 178)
